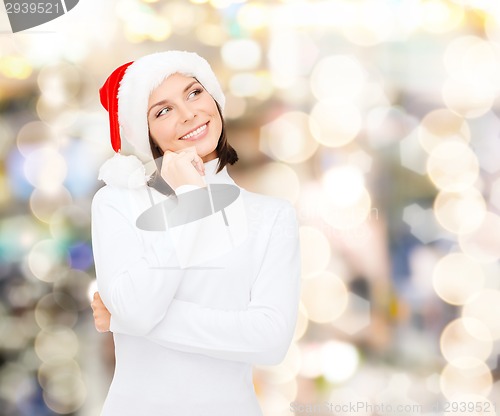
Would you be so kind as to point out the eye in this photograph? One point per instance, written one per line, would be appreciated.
(195, 92)
(162, 112)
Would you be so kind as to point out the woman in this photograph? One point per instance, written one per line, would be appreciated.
(193, 305)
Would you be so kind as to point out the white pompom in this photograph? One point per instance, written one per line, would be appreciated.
(123, 172)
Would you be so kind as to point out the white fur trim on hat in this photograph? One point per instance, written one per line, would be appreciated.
(142, 77)
(123, 172)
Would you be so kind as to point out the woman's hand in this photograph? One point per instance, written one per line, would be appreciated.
(183, 168)
(102, 317)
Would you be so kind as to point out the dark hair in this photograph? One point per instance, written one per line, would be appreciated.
(225, 153)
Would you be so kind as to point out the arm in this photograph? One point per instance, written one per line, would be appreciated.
(260, 334)
(131, 281)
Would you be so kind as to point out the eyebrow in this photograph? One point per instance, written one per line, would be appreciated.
(162, 102)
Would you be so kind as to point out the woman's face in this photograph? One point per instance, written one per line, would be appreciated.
(181, 114)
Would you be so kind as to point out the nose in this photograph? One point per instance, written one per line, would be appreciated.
(186, 113)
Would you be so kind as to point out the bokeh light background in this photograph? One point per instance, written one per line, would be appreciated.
(378, 119)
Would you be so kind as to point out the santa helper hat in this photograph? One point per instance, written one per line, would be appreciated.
(125, 96)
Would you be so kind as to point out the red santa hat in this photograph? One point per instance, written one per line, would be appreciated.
(125, 94)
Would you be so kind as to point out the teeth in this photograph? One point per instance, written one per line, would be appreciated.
(194, 133)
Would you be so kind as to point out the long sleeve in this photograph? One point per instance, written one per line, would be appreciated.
(134, 280)
(259, 334)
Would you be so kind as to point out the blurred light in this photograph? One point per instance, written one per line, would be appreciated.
(339, 361)
(32, 136)
(241, 54)
(44, 204)
(222, 4)
(324, 296)
(442, 125)
(460, 213)
(346, 217)
(465, 376)
(254, 16)
(288, 369)
(288, 138)
(56, 343)
(453, 166)
(59, 83)
(335, 124)
(311, 361)
(468, 98)
(457, 278)
(56, 309)
(278, 179)
(315, 250)
(338, 77)
(45, 260)
(69, 222)
(458, 342)
(142, 22)
(210, 34)
(64, 390)
(249, 85)
(17, 181)
(483, 243)
(15, 384)
(15, 67)
(372, 22)
(422, 223)
(291, 55)
(17, 235)
(440, 16)
(343, 185)
(484, 307)
(45, 168)
(471, 58)
(495, 193)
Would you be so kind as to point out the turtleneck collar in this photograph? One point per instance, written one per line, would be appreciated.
(212, 177)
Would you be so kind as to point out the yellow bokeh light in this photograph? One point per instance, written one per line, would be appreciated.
(457, 278)
(315, 250)
(440, 16)
(458, 342)
(288, 138)
(343, 185)
(462, 212)
(33, 135)
(210, 34)
(442, 125)
(277, 179)
(15, 67)
(335, 124)
(453, 166)
(465, 376)
(485, 307)
(324, 296)
(483, 243)
(254, 16)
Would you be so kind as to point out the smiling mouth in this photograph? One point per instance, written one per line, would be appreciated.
(195, 133)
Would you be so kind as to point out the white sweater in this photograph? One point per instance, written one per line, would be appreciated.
(186, 336)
